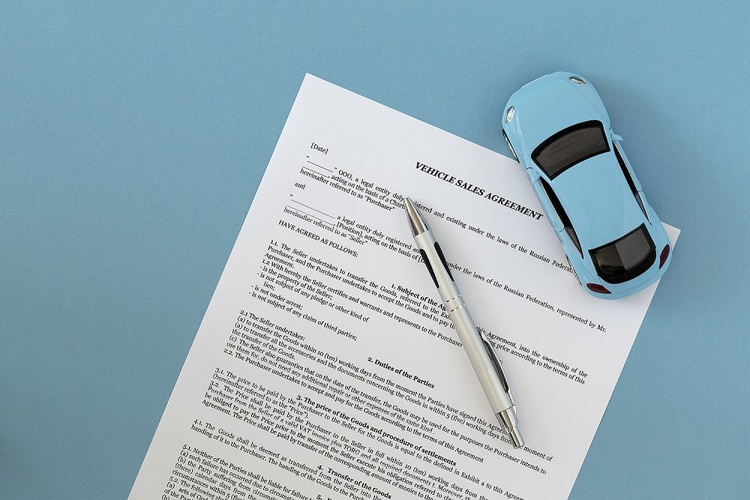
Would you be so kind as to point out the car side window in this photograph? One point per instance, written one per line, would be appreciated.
(631, 182)
(562, 215)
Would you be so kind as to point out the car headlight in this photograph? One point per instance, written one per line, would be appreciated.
(509, 114)
(578, 80)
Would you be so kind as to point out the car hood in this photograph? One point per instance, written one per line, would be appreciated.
(553, 103)
(598, 201)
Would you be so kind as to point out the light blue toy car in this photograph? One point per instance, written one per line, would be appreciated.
(558, 129)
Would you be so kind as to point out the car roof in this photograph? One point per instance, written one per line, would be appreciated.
(598, 200)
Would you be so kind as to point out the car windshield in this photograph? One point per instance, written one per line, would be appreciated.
(570, 146)
(626, 258)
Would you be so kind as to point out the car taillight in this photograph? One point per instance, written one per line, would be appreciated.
(595, 287)
(664, 256)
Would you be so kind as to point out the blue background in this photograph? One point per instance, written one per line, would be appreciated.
(133, 137)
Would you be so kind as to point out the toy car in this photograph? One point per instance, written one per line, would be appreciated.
(558, 129)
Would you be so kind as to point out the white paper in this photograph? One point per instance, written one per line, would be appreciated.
(324, 366)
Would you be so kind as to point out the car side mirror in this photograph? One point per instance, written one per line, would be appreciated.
(616, 137)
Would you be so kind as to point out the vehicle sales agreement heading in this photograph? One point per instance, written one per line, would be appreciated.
(326, 368)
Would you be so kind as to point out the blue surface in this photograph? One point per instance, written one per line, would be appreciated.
(133, 137)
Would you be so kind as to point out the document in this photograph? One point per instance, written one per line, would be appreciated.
(325, 366)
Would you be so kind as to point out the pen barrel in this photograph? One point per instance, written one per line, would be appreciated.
(492, 382)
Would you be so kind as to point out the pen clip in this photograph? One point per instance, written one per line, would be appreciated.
(496, 365)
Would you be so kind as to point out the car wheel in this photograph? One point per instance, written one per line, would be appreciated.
(510, 146)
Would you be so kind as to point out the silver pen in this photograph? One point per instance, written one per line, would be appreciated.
(481, 353)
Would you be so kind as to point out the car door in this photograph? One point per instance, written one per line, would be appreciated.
(549, 209)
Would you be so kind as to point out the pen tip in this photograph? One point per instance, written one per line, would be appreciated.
(416, 221)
